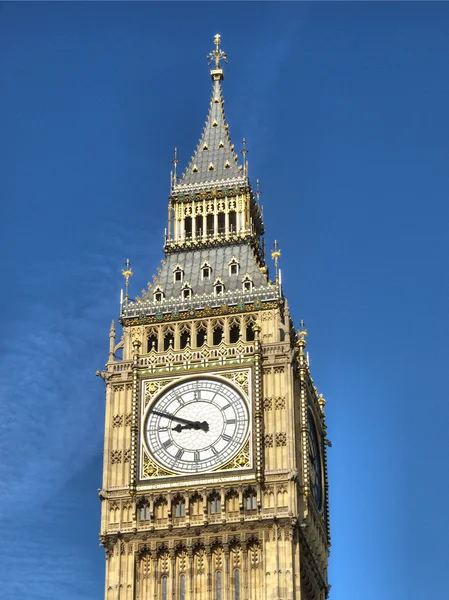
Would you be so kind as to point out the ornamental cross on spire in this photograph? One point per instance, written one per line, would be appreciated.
(217, 54)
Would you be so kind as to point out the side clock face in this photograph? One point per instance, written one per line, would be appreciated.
(316, 479)
(197, 425)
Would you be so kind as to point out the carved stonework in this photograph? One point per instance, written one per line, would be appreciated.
(153, 387)
(267, 404)
(279, 402)
(241, 461)
(116, 457)
(150, 469)
(281, 439)
(268, 440)
(117, 420)
(240, 379)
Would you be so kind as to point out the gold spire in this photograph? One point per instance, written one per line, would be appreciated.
(175, 161)
(216, 56)
(276, 255)
(127, 273)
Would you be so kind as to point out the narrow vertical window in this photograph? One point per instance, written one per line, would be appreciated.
(237, 584)
(199, 225)
(218, 585)
(182, 587)
(188, 226)
(221, 223)
(210, 224)
(232, 221)
(164, 587)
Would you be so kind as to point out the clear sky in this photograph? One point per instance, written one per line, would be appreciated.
(345, 110)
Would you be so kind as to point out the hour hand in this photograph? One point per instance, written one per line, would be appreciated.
(195, 425)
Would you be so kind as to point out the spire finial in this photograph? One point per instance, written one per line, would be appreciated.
(127, 273)
(215, 56)
(258, 191)
(276, 255)
(244, 151)
(175, 161)
(301, 337)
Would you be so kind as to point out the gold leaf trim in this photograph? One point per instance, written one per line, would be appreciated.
(150, 469)
(240, 461)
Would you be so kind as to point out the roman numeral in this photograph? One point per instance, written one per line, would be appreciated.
(167, 444)
(225, 407)
(179, 453)
(230, 422)
(214, 450)
(196, 457)
(228, 438)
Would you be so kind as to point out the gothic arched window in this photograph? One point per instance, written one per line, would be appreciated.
(201, 336)
(152, 342)
(179, 507)
(234, 333)
(218, 585)
(184, 338)
(182, 587)
(196, 505)
(214, 503)
(144, 512)
(164, 587)
(169, 340)
(250, 500)
(232, 501)
(236, 584)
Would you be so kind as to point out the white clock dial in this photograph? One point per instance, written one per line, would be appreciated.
(197, 425)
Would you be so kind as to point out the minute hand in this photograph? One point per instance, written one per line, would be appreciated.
(194, 424)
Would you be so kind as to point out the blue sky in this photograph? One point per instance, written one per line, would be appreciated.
(345, 110)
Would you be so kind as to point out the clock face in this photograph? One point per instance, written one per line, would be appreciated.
(316, 480)
(197, 425)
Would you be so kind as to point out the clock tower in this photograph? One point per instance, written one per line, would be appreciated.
(214, 478)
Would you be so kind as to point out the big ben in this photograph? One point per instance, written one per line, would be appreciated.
(214, 477)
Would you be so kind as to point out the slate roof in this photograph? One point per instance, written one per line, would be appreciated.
(214, 148)
(218, 259)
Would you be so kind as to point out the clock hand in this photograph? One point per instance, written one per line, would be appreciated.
(197, 425)
(193, 424)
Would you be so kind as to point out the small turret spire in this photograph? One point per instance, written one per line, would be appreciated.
(244, 151)
(175, 161)
(258, 191)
